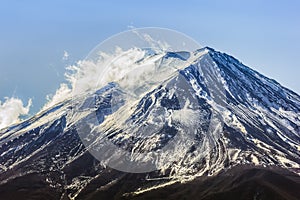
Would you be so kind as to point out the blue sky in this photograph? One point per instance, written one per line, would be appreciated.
(264, 35)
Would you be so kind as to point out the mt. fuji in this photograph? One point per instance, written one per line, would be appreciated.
(210, 128)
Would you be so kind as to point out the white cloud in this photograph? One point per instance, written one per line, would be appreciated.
(11, 110)
(120, 66)
(60, 95)
(66, 55)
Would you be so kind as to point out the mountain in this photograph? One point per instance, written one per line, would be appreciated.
(210, 128)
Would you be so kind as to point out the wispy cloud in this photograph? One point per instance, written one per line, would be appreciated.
(66, 55)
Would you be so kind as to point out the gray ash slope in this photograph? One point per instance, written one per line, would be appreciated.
(258, 124)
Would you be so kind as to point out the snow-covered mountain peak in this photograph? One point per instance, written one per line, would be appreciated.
(202, 113)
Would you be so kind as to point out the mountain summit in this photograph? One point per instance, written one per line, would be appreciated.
(208, 118)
